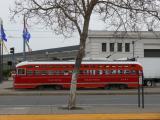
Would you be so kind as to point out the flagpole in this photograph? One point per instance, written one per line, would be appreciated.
(2, 60)
(24, 44)
(1, 22)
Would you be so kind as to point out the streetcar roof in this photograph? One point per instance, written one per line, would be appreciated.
(73, 62)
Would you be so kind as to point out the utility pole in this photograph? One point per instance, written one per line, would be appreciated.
(24, 41)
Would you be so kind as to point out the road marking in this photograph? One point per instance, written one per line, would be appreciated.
(29, 105)
(118, 104)
(19, 108)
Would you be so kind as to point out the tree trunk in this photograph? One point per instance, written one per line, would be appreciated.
(73, 88)
(80, 55)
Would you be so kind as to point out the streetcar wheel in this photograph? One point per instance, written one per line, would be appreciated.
(40, 87)
(57, 87)
(122, 86)
(107, 87)
(149, 83)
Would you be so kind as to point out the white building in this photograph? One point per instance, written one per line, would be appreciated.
(113, 45)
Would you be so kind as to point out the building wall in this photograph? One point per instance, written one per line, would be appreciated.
(63, 53)
(142, 41)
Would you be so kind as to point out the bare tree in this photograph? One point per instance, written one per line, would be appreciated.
(68, 16)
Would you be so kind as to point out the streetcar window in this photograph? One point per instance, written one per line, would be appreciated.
(106, 72)
(120, 71)
(92, 72)
(50, 72)
(37, 72)
(43, 72)
(113, 71)
(85, 72)
(66, 72)
(61, 72)
(133, 71)
(57, 72)
(127, 71)
(21, 71)
(70, 71)
(29, 72)
(88, 72)
(99, 72)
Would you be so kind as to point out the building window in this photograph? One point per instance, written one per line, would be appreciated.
(111, 47)
(104, 47)
(127, 47)
(119, 47)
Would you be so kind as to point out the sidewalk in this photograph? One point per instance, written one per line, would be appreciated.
(86, 112)
(85, 109)
(82, 113)
(6, 88)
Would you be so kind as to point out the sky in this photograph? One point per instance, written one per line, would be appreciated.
(41, 38)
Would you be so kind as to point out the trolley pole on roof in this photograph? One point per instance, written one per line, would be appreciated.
(24, 41)
(133, 43)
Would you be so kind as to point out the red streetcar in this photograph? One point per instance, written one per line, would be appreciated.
(92, 74)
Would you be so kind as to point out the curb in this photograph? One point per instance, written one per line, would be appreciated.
(67, 93)
(145, 116)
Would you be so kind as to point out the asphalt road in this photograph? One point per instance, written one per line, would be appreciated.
(83, 100)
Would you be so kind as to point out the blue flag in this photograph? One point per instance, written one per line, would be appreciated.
(26, 35)
(3, 35)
